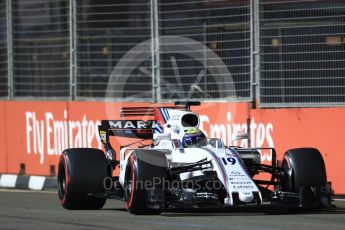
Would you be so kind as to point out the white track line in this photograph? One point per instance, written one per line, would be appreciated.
(26, 191)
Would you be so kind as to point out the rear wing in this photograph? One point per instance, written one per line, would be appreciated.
(125, 128)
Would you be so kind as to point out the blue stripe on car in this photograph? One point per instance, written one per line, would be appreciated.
(167, 112)
(164, 116)
(159, 129)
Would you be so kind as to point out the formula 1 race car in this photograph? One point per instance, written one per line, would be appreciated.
(182, 168)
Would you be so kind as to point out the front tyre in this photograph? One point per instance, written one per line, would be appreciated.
(303, 167)
(304, 173)
(145, 169)
(81, 171)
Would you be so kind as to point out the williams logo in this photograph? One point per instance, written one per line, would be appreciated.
(133, 124)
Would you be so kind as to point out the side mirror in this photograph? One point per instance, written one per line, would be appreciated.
(240, 136)
(216, 143)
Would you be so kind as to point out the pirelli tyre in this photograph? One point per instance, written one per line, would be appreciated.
(304, 169)
(81, 171)
(146, 169)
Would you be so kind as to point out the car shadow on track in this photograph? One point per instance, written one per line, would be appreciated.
(115, 209)
(243, 211)
(252, 211)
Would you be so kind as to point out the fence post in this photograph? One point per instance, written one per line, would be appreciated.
(72, 33)
(155, 49)
(255, 51)
(9, 48)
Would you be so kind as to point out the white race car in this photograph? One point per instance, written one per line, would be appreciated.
(182, 168)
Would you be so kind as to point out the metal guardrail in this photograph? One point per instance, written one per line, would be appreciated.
(221, 27)
(286, 53)
(105, 32)
(40, 45)
(302, 53)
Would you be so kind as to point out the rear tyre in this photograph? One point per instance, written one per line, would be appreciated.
(144, 167)
(81, 171)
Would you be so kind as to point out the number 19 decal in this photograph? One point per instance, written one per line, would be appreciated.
(229, 160)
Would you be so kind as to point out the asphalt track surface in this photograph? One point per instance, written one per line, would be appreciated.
(41, 210)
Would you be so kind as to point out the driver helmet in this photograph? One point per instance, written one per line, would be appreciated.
(194, 138)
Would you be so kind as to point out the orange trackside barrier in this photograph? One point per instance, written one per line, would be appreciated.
(3, 159)
(33, 134)
(322, 128)
(31, 128)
